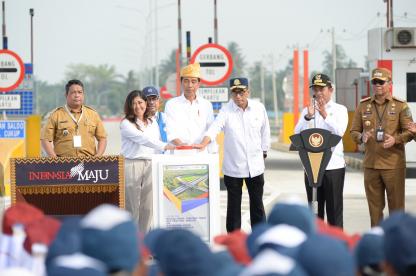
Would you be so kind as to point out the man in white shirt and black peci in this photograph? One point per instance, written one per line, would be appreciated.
(324, 113)
(246, 142)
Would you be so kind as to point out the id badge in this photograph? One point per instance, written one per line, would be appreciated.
(380, 135)
(77, 141)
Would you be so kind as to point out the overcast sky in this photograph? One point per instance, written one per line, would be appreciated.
(122, 32)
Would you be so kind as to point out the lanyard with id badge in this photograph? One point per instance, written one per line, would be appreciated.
(77, 138)
(380, 133)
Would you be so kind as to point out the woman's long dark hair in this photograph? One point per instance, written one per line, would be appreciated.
(129, 108)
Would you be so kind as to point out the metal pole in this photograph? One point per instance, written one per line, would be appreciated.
(179, 52)
(391, 14)
(180, 33)
(334, 54)
(262, 82)
(5, 46)
(215, 23)
(295, 86)
(305, 78)
(4, 42)
(32, 13)
(156, 49)
(276, 114)
(188, 47)
(334, 61)
(151, 54)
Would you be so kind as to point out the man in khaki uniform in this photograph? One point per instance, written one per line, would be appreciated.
(381, 122)
(71, 129)
(412, 128)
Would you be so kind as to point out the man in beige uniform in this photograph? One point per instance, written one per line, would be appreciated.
(381, 122)
(71, 129)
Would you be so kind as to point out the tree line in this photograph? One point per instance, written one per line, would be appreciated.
(106, 89)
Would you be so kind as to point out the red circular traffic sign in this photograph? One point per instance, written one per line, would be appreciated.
(216, 63)
(12, 70)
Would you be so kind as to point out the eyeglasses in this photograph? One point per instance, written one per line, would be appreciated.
(240, 93)
(377, 81)
(152, 98)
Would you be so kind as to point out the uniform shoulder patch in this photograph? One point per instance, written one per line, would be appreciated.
(89, 107)
(365, 99)
(398, 99)
(56, 109)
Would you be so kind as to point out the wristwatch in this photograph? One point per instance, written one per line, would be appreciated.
(306, 117)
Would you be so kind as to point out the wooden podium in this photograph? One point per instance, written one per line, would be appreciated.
(68, 185)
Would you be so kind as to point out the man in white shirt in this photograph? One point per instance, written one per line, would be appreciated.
(333, 117)
(246, 142)
(188, 116)
(153, 103)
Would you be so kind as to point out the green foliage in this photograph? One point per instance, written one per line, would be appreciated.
(49, 96)
(167, 67)
(105, 90)
(343, 61)
(254, 74)
(238, 60)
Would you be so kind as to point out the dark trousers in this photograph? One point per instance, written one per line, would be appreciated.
(330, 195)
(234, 191)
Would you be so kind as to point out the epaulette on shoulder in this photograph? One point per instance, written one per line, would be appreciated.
(58, 108)
(365, 99)
(89, 107)
(398, 99)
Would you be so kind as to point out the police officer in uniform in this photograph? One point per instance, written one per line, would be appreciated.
(71, 129)
(381, 122)
(412, 128)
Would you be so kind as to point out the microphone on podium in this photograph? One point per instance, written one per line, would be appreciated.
(314, 110)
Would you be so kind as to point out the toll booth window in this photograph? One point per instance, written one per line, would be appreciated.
(411, 87)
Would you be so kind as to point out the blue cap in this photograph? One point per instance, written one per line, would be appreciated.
(251, 242)
(400, 244)
(180, 252)
(150, 91)
(238, 83)
(151, 238)
(109, 235)
(76, 264)
(271, 263)
(325, 256)
(370, 248)
(282, 238)
(293, 214)
(225, 264)
(153, 270)
(393, 219)
(68, 239)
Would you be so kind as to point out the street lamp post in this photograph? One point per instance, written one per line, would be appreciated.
(4, 26)
(32, 13)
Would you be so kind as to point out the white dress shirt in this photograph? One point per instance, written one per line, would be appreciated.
(188, 121)
(336, 122)
(140, 144)
(246, 136)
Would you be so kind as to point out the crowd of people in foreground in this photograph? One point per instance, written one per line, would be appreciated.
(293, 241)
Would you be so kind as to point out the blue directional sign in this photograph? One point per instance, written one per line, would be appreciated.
(12, 129)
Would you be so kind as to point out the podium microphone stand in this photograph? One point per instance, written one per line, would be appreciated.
(314, 147)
